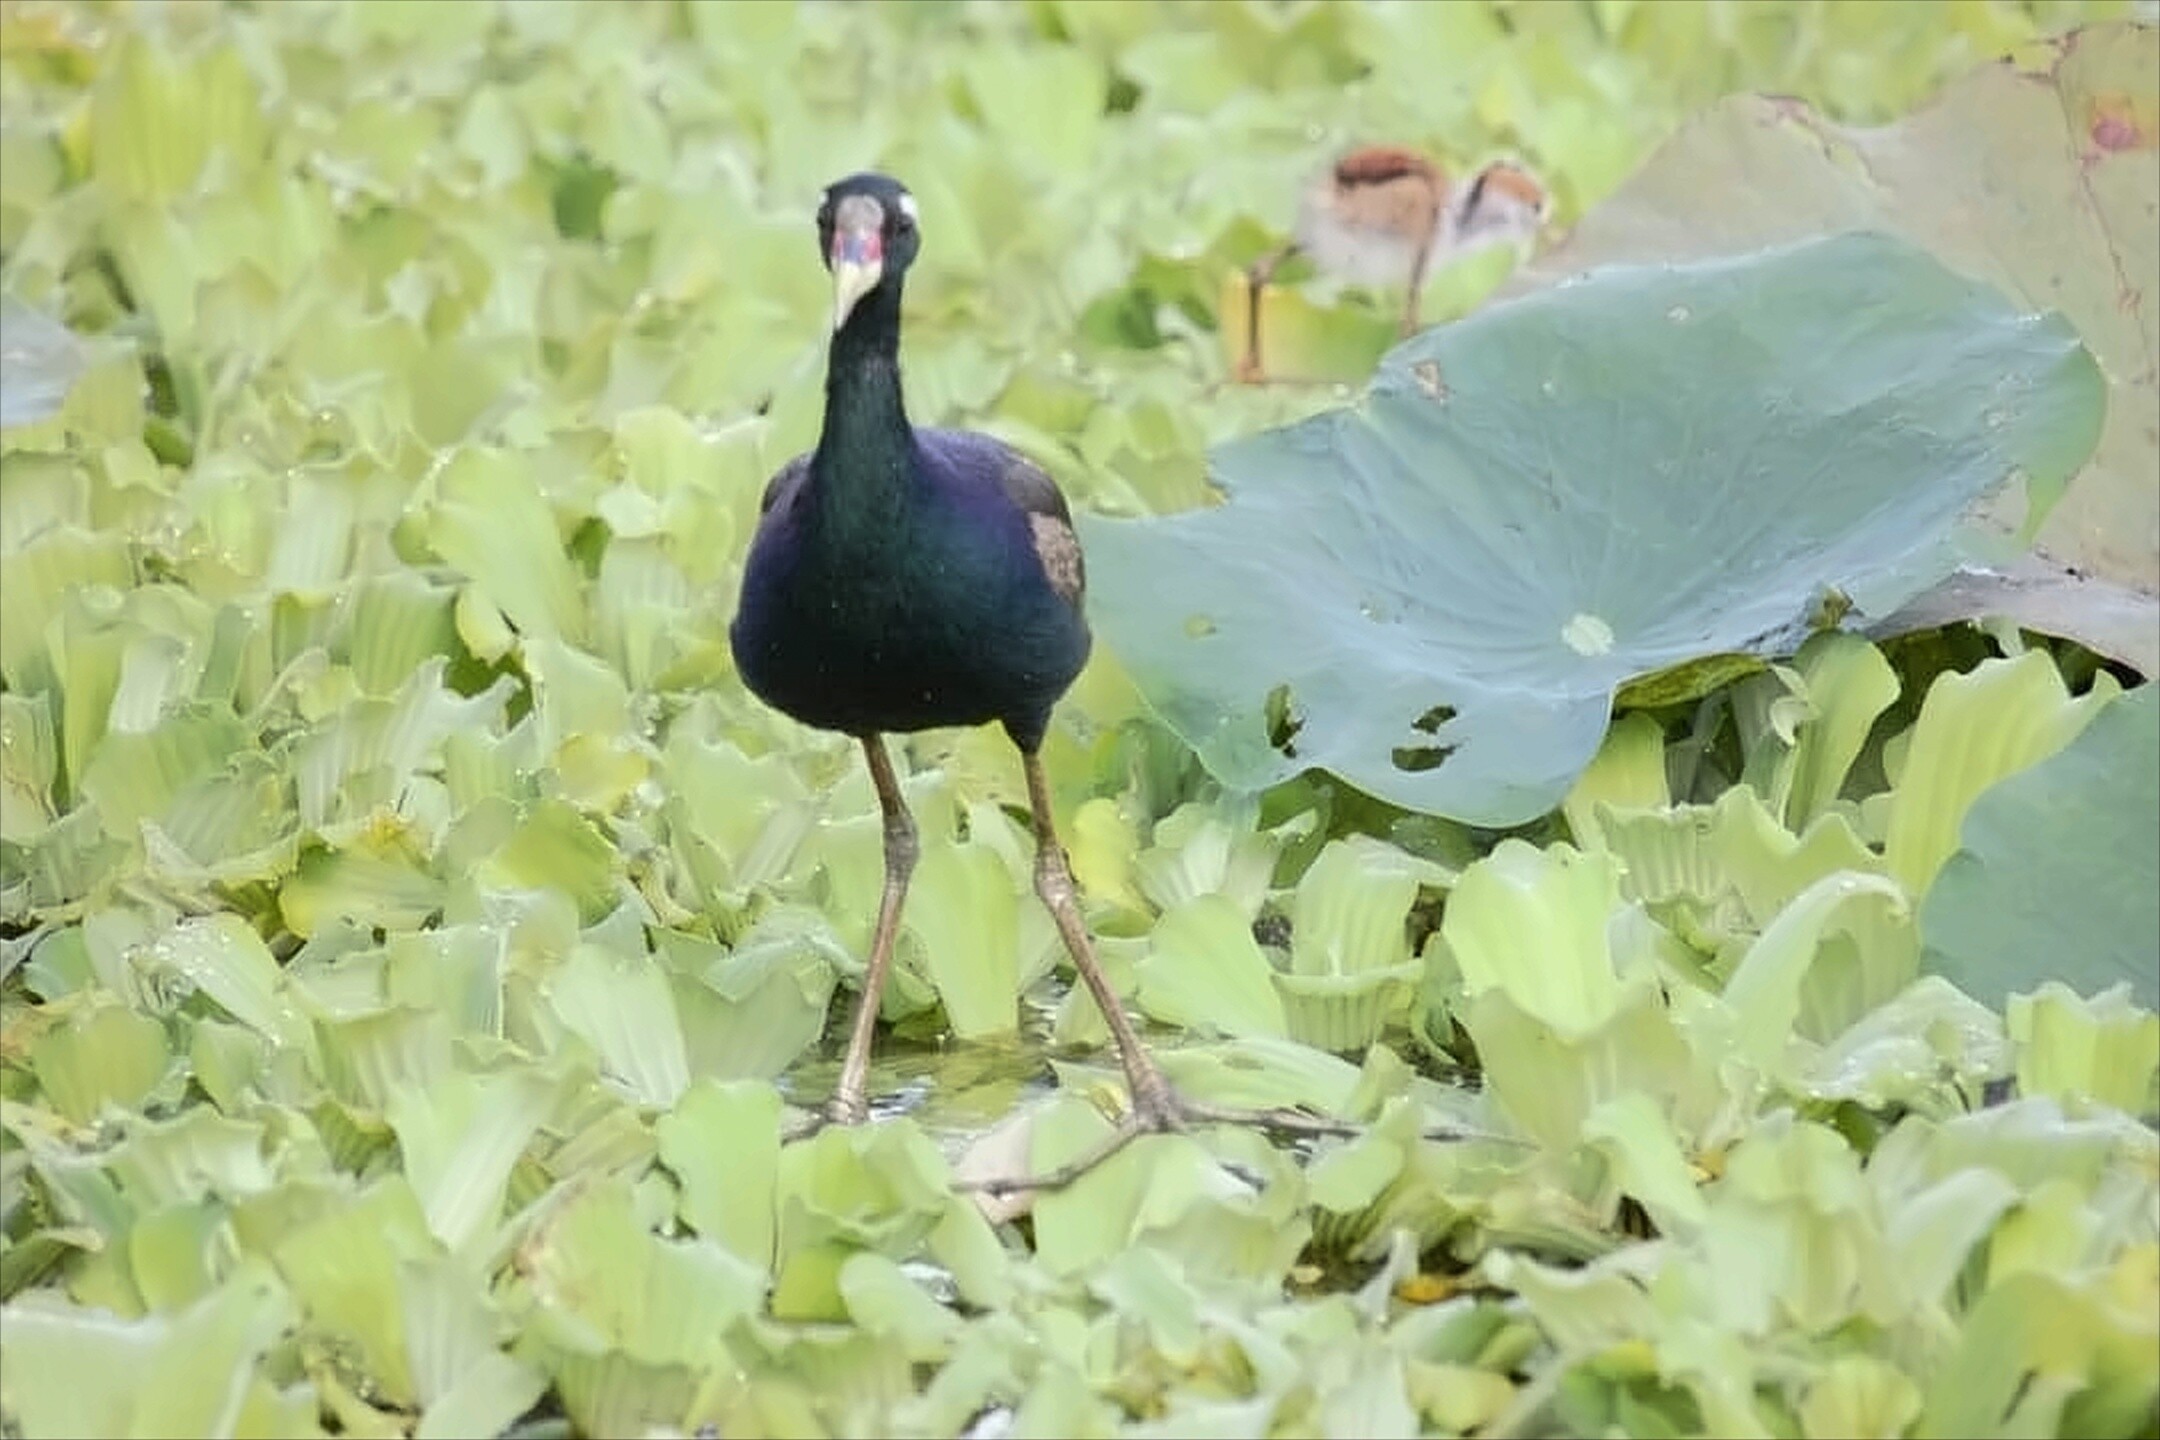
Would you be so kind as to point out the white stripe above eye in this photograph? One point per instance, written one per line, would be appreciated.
(907, 206)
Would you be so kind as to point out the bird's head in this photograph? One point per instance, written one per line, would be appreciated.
(866, 232)
(1501, 204)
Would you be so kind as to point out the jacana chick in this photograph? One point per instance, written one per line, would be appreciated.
(903, 579)
(1383, 215)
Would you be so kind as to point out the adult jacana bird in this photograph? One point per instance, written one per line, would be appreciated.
(1383, 215)
(903, 579)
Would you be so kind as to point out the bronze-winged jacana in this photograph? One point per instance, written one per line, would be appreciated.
(903, 579)
(1384, 215)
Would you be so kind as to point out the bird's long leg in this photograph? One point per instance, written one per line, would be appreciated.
(850, 1105)
(1249, 368)
(1155, 1105)
(1414, 292)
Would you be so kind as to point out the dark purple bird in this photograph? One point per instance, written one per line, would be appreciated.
(903, 579)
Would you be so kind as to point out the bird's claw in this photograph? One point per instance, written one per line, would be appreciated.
(839, 1110)
(1157, 1109)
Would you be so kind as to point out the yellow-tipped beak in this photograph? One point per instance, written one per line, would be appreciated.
(858, 263)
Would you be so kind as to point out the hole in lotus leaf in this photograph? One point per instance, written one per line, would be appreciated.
(1587, 634)
(1427, 375)
(1199, 627)
(1679, 314)
(1431, 721)
(1283, 721)
(1414, 758)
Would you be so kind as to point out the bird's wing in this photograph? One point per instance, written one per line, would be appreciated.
(785, 481)
(1050, 525)
(1033, 493)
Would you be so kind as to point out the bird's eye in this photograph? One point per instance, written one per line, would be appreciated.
(904, 215)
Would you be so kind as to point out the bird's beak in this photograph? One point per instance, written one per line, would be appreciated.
(858, 263)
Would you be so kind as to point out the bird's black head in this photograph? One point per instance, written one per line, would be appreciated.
(866, 232)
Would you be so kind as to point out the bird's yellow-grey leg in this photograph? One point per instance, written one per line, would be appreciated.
(1250, 370)
(1155, 1105)
(850, 1105)
(1414, 292)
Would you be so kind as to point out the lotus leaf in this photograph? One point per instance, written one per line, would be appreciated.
(2036, 175)
(1439, 590)
(2053, 877)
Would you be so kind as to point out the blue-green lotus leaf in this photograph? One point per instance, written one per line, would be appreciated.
(39, 360)
(1641, 468)
(2054, 877)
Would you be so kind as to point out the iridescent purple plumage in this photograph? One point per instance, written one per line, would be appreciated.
(902, 579)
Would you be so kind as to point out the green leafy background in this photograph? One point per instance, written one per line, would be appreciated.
(405, 914)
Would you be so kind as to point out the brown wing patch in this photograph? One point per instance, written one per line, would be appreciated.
(1059, 550)
(1378, 164)
(1050, 527)
(1514, 183)
(1388, 190)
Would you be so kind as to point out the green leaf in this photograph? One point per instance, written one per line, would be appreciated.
(1533, 504)
(556, 848)
(2059, 144)
(458, 1139)
(1627, 774)
(1859, 1395)
(623, 1007)
(1789, 981)
(1648, 1161)
(1974, 730)
(156, 121)
(755, 1008)
(104, 1056)
(1929, 1046)
(1196, 851)
(1849, 685)
(220, 956)
(2051, 1334)
(723, 1143)
(611, 1285)
(79, 1371)
(1204, 971)
(1348, 914)
(1532, 924)
(851, 1188)
(964, 908)
(451, 1335)
(1166, 1192)
(2104, 1050)
(2076, 823)
(343, 1267)
(488, 522)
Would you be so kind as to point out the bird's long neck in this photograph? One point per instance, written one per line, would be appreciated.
(865, 453)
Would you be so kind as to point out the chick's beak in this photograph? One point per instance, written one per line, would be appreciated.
(858, 262)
